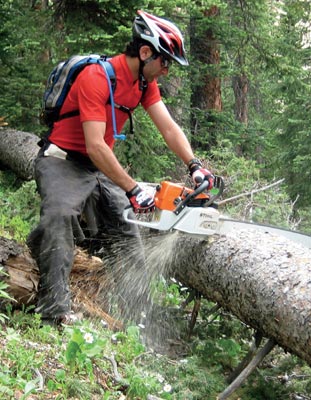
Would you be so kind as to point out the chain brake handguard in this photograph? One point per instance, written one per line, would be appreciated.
(218, 184)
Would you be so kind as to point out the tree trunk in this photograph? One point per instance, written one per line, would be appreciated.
(240, 90)
(206, 84)
(262, 279)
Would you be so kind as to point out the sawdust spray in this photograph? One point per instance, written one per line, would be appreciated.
(132, 279)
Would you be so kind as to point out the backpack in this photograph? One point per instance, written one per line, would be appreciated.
(60, 81)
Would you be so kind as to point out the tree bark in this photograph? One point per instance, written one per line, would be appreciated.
(17, 151)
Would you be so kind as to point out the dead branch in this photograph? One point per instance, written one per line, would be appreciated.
(251, 193)
(247, 371)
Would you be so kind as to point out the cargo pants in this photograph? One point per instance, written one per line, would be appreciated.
(69, 190)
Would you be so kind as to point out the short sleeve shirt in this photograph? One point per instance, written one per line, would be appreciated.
(90, 95)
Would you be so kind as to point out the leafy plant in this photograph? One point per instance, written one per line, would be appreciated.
(20, 206)
(3, 293)
(83, 346)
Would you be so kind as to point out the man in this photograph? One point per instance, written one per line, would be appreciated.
(77, 174)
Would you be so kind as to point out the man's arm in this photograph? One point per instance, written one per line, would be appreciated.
(171, 132)
(103, 157)
(178, 143)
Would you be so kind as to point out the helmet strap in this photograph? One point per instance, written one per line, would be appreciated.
(142, 81)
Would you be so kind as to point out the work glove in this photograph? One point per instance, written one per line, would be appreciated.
(200, 174)
(141, 201)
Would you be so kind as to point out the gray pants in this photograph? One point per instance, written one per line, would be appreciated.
(69, 191)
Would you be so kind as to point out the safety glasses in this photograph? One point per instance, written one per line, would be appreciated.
(165, 62)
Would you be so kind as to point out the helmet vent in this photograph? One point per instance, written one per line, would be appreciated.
(164, 44)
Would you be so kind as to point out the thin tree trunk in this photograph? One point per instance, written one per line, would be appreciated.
(206, 84)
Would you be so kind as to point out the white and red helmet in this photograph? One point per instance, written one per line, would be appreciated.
(162, 34)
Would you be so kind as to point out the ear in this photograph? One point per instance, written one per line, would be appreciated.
(145, 52)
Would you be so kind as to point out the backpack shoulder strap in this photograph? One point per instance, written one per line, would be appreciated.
(112, 82)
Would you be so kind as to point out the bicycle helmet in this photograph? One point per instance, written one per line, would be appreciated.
(162, 34)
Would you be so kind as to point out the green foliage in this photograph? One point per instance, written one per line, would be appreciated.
(167, 293)
(129, 344)
(280, 382)
(194, 381)
(83, 346)
(144, 152)
(292, 101)
(76, 362)
(245, 176)
(3, 294)
(19, 203)
(21, 63)
(141, 383)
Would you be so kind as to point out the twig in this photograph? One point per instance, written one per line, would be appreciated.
(141, 356)
(248, 370)
(118, 378)
(194, 314)
(251, 192)
(40, 379)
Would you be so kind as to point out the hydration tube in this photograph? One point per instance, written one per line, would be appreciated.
(116, 135)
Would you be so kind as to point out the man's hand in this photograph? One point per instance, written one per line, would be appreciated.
(141, 200)
(200, 174)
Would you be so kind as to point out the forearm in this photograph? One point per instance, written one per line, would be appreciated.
(103, 157)
(171, 132)
(105, 161)
(177, 141)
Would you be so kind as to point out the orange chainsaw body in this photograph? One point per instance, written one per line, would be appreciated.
(168, 195)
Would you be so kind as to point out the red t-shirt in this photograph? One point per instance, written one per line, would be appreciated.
(90, 93)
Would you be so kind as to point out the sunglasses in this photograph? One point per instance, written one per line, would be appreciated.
(165, 62)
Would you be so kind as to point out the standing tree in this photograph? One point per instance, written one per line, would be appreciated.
(206, 84)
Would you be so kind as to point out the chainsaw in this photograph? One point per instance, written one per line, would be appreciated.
(195, 212)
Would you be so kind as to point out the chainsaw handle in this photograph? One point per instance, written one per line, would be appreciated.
(218, 184)
(204, 185)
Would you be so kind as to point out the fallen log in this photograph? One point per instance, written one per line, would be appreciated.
(23, 279)
(264, 280)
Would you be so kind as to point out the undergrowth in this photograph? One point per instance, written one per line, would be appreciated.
(89, 361)
(19, 203)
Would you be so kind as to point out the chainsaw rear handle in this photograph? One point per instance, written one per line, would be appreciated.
(218, 184)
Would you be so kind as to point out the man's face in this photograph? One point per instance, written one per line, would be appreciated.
(156, 67)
